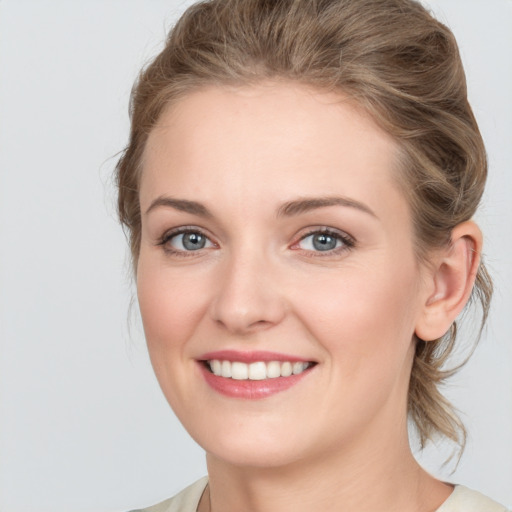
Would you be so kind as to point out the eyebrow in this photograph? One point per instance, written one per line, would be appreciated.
(307, 204)
(182, 205)
(288, 209)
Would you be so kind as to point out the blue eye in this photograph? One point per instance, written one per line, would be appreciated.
(187, 241)
(319, 242)
(325, 241)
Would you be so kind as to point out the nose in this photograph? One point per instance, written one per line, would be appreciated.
(248, 297)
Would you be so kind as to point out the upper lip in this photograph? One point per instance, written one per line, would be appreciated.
(250, 356)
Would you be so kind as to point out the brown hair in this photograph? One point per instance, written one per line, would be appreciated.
(390, 56)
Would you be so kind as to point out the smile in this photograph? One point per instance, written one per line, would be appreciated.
(252, 375)
(259, 370)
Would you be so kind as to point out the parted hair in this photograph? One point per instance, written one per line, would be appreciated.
(394, 60)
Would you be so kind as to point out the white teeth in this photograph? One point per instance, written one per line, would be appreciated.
(239, 371)
(259, 370)
(216, 367)
(299, 368)
(273, 369)
(226, 369)
(286, 369)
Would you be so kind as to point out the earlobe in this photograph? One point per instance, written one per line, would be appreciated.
(451, 281)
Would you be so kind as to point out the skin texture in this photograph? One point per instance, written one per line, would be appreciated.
(260, 284)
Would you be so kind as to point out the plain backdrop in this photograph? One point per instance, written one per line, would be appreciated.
(83, 424)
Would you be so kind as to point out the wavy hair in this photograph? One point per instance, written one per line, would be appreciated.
(395, 61)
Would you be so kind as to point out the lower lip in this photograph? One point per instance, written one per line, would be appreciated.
(250, 389)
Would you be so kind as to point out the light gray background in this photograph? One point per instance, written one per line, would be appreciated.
(83, 425)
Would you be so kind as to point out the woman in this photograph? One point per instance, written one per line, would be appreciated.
(298, 189)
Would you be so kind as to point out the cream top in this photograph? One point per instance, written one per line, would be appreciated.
(462, 499)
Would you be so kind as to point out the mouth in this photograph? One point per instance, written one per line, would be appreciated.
(258, 370)
(252, 375)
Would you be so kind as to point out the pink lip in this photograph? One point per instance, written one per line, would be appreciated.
(250, 357)
(249, 389)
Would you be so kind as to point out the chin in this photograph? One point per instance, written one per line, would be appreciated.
(244, 445)
(250, 454)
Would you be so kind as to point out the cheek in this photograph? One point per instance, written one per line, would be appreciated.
(364, 316)
(170, 307)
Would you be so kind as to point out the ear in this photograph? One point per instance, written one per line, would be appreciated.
(450, 281)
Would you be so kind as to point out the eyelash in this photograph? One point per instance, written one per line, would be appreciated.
(169, 235)
(346, 240)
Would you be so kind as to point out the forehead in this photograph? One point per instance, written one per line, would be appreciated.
(267, 140)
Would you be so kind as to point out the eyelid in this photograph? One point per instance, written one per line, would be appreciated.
(174, 232)
(348, 241)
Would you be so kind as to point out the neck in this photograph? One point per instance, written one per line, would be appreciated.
(385, 478)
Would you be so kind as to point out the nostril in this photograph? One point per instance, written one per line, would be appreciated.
(246, 301)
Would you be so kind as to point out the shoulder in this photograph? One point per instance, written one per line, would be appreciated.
(463, 499)
(186, 501)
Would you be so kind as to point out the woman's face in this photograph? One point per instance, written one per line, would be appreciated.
(275, 240)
